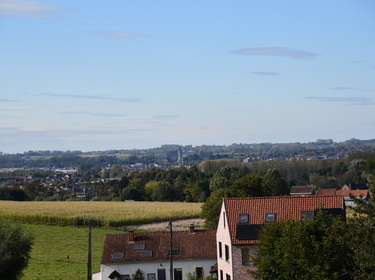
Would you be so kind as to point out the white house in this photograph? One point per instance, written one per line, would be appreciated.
(193, 251)
(241, 220)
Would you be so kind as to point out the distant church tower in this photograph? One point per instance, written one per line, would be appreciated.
(180, 158)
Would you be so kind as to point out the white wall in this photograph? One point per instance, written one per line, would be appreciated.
(152, 267)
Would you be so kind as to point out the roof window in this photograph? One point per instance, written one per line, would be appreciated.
(118, 256)
(270, 217)
(146, 254)
(244, 218)
(138, 247)
(175, 252)
(307, 215)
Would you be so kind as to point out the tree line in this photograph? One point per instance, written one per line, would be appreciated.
(208, 180)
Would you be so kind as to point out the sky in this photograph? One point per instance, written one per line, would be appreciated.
(120, 74)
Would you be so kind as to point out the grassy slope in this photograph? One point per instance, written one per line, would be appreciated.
(53, 245)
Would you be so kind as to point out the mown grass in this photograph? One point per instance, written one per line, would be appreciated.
(101, 214)
(60, 253)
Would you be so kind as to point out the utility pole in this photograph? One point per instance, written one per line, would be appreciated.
(171, 246)
(89, 259)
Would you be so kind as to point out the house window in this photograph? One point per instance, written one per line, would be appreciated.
(244, 218)
(270, 217)
(151, 276)
(224, 218)
(177, 275)
(307, 215)
(220, 250)
(227, 253)
(221, 275)
(245, 256)
(228, 277)
(199, 272)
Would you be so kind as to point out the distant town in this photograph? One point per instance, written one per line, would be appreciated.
(177, 155)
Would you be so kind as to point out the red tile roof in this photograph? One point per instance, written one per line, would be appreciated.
(326, 192)
(196, 245)
(356, 193)
(285, 207)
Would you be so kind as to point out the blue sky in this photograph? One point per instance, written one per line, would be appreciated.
(99, 75)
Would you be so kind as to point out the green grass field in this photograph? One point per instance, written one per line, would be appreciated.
(60, 250)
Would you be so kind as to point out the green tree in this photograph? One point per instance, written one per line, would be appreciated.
(313, 249)
(15, 249)
(362, 242)
(211, 208)
(116, 171)
(135, 190)
(35, 189)
(249, 185)
(163, 191)
(274, 183)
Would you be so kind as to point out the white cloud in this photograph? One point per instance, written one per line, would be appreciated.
(265, 73)
(99, 97)
(15, 107)
(276, 51)
(116, 35)
(27, 8)
(349, 100)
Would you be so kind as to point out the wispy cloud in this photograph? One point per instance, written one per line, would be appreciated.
(27, 8)
(95, 97)
(102, 115)
(276, 51)
(15, 107)
(343, 88)
(116, 35)
(348, 100)
(265, 73)
(6, 100)
(166, 117)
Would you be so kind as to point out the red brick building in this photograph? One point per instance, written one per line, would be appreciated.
(242, 218)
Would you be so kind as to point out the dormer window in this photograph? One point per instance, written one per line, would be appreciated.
(138, 247)
(117, 256)
(270, 217)
(307, 215)
(175, 252)
(146, 254)
(244, 218)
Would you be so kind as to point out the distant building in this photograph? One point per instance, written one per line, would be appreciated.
(302, 190)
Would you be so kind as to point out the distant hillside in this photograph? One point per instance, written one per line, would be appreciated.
(168, 155)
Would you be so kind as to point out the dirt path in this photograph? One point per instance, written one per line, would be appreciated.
(179, 225)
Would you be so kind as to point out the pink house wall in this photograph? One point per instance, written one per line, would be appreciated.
(222, 235)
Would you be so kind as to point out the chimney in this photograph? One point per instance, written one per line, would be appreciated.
(191, 228)
(131, 236)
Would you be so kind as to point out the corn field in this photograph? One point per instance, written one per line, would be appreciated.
(100, 214)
